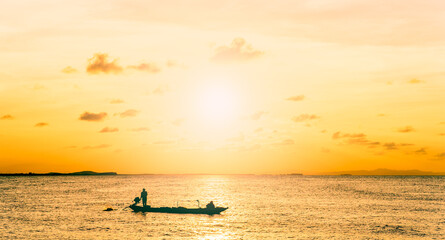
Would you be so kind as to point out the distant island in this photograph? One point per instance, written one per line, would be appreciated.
(83, 173)
(388, 172)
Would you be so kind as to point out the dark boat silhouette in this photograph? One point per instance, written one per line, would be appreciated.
(178, 210)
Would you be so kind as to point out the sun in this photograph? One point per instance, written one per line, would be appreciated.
(216, 105)
(213, 108)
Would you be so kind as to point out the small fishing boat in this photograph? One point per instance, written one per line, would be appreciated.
(179, 210)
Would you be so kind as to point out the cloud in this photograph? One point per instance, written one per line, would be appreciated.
(108, 130)
(116, 101)
(128, 113)
(362, 139)
(305, 117)
(93, 117)
(406, 144)
(355, 138)
(99, 63)
(338, 135)
(146, 67)
(381, 115)
(406, 129)
(97, 146)
(173, 63)
(415, 81)
(441, 134)
(390, 146)
(394, 146)
(296, 98)
(257, 115)
(140, 129)
(41, 124)
(69, 70)
(6, 117)
(439, 157)
(421, 151)
(238, 50)
(258, 130)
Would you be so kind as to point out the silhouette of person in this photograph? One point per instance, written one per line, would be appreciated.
(144, 197)
(136, 200)
(210, 205)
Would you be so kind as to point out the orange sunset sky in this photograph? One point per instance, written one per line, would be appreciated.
(222, 86)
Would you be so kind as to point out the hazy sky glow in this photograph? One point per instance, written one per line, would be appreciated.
(222, 86)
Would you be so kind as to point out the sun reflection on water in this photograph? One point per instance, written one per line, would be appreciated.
(213, 188)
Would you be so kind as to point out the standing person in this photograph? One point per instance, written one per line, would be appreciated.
(144, 197)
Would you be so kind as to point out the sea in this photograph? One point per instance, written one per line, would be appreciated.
(260, 207)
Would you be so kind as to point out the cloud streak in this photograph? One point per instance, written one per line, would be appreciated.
(146, 67)
(108, 130)
(6, 117)
(296, 98)
(116, 101)
(97, 146)
(355, 138)
(128, 113)
(421, 151)
(439, 157)
(406, 129)
(362, 139)
(415, 81)
(69, 70)
(41, 124)
(305, 117)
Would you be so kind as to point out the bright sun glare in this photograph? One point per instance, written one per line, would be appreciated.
(217, 105)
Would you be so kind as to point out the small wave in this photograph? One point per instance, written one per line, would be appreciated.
(397, 229)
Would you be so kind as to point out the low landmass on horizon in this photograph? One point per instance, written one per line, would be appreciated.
(387, 172)
(82, 173)
(376, 172)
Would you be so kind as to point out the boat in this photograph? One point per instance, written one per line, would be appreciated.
(178, 210)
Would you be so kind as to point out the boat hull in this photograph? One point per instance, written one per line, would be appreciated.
(179, 210)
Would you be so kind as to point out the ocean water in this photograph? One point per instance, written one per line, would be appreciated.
(260, 207)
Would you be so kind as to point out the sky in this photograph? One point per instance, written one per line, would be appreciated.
(223, 87)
